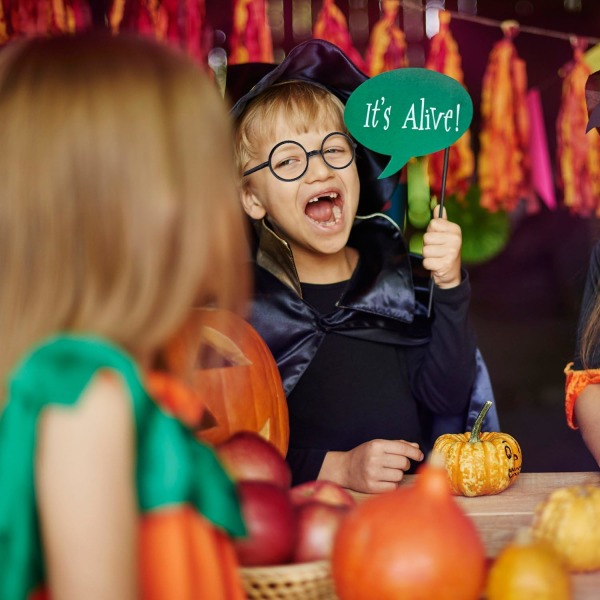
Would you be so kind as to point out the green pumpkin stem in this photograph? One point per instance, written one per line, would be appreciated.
(476, 431)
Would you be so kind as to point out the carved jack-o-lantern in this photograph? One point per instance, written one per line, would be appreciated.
(236, 378)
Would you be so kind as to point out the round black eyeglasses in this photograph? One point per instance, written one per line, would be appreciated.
(288, 160)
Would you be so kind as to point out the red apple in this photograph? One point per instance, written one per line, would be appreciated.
(248, 456)
(322, 491)
(318, 523)
(270, 524)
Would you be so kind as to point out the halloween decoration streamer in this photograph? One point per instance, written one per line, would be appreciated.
(153, 18)
(542, 177)
(115, 15)
(25, 18)
(178, 22)
(30, 17)
(387, 44)
(331, 25)
(70, 16)
(444, 58)
(192, 26)
(504, 163)
(3, 27)
(251, 36)
(147, 17)
(578, 153)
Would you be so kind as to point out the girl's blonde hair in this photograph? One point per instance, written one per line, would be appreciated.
(306, 107)
(119, 208)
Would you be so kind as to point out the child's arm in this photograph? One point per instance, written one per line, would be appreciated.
(442, 372)
(441, 250)
(85, 490)
(373, 467)
(587, 417)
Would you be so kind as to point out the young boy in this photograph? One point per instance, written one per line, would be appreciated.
(363, 367)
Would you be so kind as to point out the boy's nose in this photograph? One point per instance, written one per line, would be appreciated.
(317, 167)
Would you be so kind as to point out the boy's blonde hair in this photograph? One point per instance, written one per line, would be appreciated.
(119, 208)
(305, 106)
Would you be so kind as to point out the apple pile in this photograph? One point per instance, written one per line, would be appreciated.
(284, 524)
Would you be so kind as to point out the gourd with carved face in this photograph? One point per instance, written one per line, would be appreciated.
(234, 376)
(480, 464)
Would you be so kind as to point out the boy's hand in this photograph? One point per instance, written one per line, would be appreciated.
(373, 467)
(441, 250)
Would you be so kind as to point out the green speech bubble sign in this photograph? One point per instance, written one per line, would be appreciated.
(408, 112)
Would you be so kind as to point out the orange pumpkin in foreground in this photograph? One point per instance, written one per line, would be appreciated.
(235, 377)
(568, 521)
(414, 543)
(525, 569)
(172, 543)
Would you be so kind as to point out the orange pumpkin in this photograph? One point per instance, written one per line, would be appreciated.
(181, 555)
(172, 543)
(526, 568)
(414, 542)
(235, 377)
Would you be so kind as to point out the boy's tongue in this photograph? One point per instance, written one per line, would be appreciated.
(321, 211)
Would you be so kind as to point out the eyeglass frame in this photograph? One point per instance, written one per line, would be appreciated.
(309, 155)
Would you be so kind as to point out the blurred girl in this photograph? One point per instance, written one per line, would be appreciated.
(118, 214)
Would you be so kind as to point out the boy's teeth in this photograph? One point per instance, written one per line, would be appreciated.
(337, 212)
(331, 195)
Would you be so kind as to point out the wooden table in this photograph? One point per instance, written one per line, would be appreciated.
(498, 517)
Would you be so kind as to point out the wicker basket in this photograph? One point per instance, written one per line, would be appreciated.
(301, 581)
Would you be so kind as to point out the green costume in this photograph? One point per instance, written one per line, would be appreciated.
(172, 467)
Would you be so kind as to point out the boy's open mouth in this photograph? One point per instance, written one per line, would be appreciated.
(325, 209)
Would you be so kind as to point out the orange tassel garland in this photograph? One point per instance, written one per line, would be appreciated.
(504, 163)
(578, 153)
(387, 44)
(444, 58)
(251, 37)
(331, 25)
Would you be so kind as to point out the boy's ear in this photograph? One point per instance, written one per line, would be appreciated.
(252, 205)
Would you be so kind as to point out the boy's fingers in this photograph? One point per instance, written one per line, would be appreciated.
(436, 212)
(443, 226)
(396, 462)
(444, 243)
(407, 449)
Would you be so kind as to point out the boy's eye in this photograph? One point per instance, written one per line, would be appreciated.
(337, 156)
(288, 156)
(282, 163)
